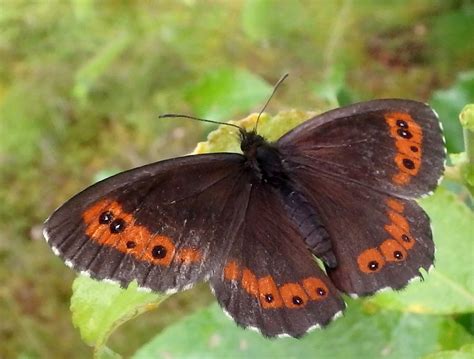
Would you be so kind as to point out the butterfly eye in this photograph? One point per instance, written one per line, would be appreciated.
(117, 226)
(106, 217)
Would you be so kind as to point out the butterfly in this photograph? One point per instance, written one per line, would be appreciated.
(340, 187)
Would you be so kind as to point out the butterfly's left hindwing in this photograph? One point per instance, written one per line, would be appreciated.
(162, 224)
(270, 281)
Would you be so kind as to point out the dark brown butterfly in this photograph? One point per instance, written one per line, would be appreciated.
(339, 187)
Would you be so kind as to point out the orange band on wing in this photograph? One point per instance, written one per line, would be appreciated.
(408, 137)
(108, 224)
(394, 249)
(270, 295)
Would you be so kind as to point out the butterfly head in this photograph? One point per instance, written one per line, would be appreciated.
(250, 141)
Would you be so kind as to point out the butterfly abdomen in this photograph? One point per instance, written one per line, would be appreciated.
(309, 225)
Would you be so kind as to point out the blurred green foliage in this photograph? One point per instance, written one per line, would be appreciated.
(82, 83)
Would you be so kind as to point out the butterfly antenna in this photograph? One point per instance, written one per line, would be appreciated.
(176, 115)
(277, 85)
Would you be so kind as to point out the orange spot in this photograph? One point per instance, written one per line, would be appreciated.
(414, 164)
(159, 250)
(315, 288)
(249, 282)
(401, 236)
(401, 178)
(370, 261)
(293, 295)
(406, 147)
(136, 234)
(189, 255)
(132, 239)
(268, 293)
(231, 271)
(399, 220)
(91, 218)
(396, 205)
(393, 251)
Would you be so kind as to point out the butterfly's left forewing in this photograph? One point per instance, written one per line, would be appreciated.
(163, 224)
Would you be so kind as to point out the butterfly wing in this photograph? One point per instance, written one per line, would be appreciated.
(395, 146)
(351, 164)
(163, 224)
(270, 281)
(378, 240)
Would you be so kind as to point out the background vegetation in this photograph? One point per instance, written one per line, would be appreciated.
(82, 83)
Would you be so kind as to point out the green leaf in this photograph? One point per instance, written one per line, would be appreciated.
(466, 117)
(222, 93)
(98, 308)
(361, 333)
(466, 352)
(449, 288)
(449, 103)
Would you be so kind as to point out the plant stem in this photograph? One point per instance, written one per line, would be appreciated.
(466, 117)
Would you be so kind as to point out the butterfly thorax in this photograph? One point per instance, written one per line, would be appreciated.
(263, 158)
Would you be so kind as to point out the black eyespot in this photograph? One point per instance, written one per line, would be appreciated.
(402, 124)
(117, 226)
(404, 133)
(106, 217)
(297, 300)
(405, 238)
(131, 244)
(398, 255)
(414, 149)
(373, 265)
(158, 252)
(321, 292)
(408, 163)
(269, 298)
